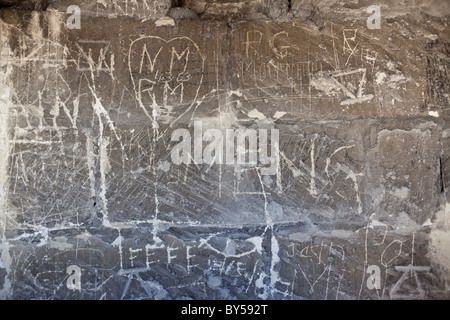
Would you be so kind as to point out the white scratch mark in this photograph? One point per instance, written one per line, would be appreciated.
(5, 104)
(312, 186)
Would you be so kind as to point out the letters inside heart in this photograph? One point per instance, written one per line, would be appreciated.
(167, 74)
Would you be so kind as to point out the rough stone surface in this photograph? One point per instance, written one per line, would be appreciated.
(88, 186)
(143, 9)
(182, 14)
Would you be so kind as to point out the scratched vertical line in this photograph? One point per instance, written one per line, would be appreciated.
(309, 81)
(365, 262)
(216, 57)
(5, 102)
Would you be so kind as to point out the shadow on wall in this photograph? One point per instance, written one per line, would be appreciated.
(40, 5)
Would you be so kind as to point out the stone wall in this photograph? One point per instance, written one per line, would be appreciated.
(93, 206)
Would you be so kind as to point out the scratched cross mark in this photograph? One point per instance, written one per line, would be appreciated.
(349, 37)
(167, 75)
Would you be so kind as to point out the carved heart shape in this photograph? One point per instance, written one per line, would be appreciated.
(166, 74)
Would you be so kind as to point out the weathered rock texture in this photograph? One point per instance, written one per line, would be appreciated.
(358, 208)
